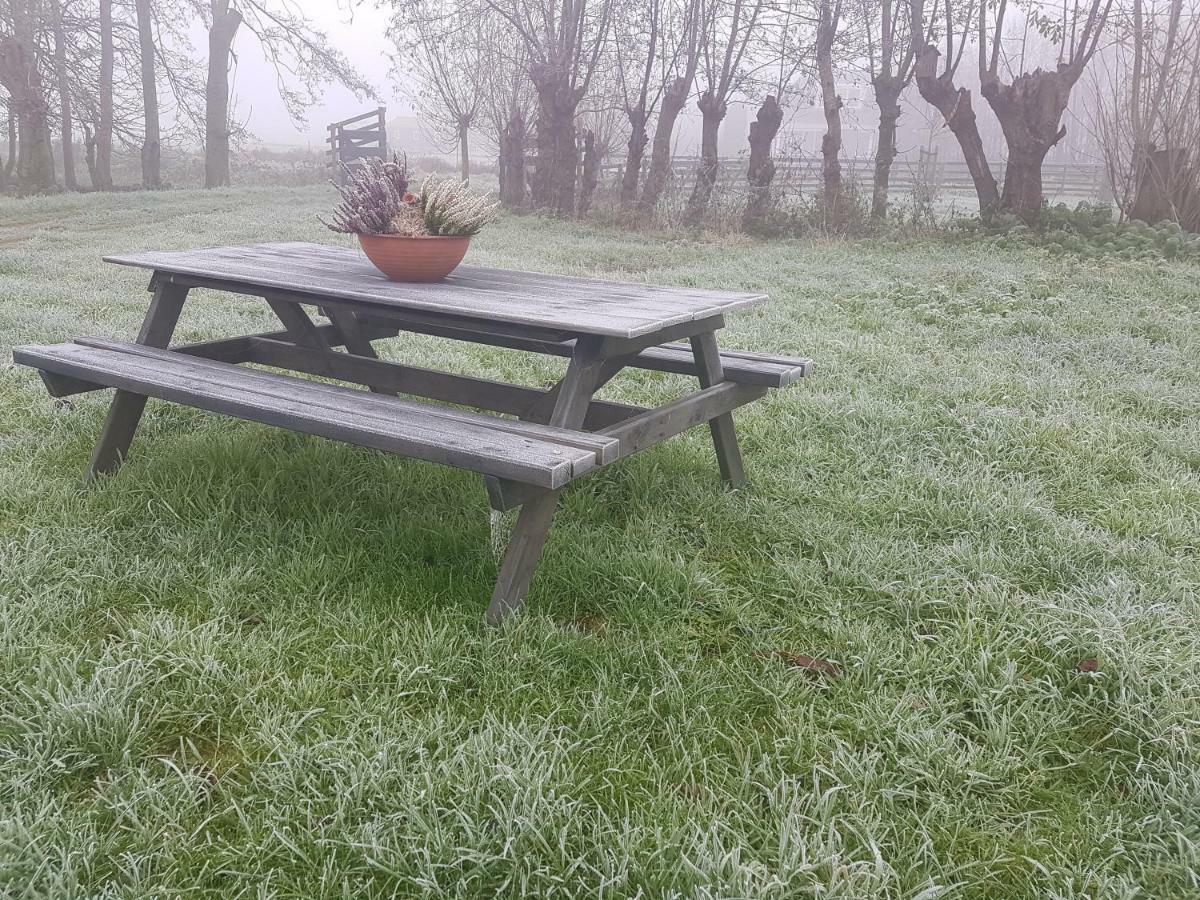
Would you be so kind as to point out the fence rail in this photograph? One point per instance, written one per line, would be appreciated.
(927, 172)
(367, 139)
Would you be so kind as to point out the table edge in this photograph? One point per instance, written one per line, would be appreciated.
(738, 301)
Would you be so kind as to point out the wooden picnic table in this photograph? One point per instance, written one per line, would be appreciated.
(545, 438)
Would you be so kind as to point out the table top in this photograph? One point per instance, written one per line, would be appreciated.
(556, 302)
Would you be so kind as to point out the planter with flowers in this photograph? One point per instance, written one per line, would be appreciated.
(409, 236)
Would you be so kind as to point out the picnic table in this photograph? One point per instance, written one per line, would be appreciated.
(543, 439)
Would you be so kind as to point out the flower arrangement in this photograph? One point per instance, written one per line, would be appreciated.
(376, 200)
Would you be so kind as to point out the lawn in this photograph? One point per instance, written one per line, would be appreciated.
(253, 665)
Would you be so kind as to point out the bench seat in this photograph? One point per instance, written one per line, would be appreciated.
(739, 366)
(533, 454)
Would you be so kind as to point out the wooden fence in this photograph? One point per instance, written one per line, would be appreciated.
(925, 172)
(355, 139)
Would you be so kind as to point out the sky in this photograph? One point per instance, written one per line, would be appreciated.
(360, 36)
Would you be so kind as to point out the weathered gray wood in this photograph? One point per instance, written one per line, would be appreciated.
(646, 429)
(237, 350)
(126, 410)
(604, 448)
(654, 426)
(300, 327)
(352, 337)
(576, 305)
(435, 322)
(729, 455)
(390, 377)
(543, 407)
(738, 365)
(454, 437)
(534, 521)
(741, 366)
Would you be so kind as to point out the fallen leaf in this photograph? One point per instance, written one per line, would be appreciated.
(1091, 664)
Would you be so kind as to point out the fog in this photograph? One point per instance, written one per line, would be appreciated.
(360, 34)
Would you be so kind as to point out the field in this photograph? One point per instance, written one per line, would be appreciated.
(253, 664)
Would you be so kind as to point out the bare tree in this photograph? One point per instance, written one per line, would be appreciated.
(563, 40)
(9, 122)
(442, 42)
(677, 75)
(1143, 110)
(788, 50)
(63, 85)
(935, 72)
(1030, 106)
(508, 104)
(762, 168)
(152, 142)
(727, 28)
(102, 169)
(829, 23)
(20, 74)
(302, 56)
(891, 60)
(637, 56)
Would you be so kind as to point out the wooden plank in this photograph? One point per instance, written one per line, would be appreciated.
(741, 366)
(651, 427)
(534, 521)
(657, 425)
(418, 321)
(234, 350)
(371, 133)
(605, 449)
(729, 455)
(352, 337)
(126, 409)
(483, 393)
(298, 405)
(575, 305)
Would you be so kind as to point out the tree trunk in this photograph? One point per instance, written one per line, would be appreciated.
(89, 151)
(638, 139)
(10, 158)
(1166, 189)
(464, 153)
(1029, 110)
(512, 161)
(831, 141)
(955, 106)
(590, 175)
(20, 76)
(104, 128)
(66, 127)
(151, 147)
(673, 101)
(216, 96)
(887, 98)
(762, 168)
(554, 176)
(712, 113)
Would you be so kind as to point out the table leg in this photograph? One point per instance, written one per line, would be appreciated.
(729, 455)
(537, 515)
(126, 410)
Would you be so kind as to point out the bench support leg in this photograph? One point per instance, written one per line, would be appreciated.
(729, 455)
(126, 410)
(537, 515)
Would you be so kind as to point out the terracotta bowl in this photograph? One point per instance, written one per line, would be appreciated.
(424, 258)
